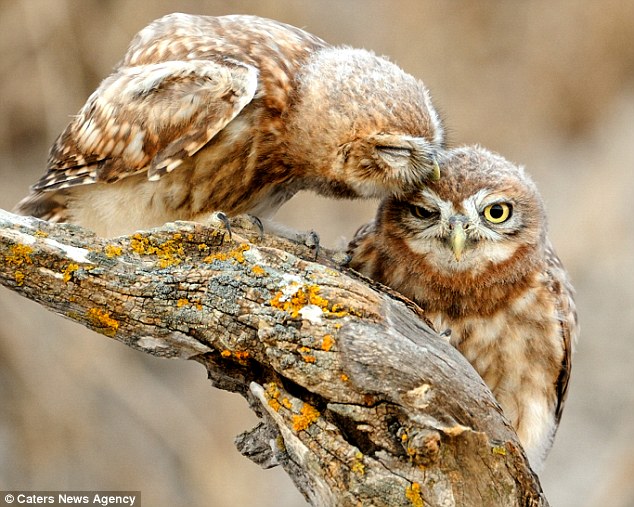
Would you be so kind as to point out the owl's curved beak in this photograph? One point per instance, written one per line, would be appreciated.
(457, 238)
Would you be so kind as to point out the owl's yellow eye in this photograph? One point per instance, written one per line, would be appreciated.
(498, 212)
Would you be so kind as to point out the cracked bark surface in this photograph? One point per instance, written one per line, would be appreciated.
(361, 402)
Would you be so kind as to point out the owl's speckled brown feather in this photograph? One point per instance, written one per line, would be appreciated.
(235, 113)
(500, 288)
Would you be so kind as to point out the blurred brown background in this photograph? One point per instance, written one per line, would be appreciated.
(548, 84)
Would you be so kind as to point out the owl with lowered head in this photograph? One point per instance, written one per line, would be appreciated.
(237, 114)
(471, 249)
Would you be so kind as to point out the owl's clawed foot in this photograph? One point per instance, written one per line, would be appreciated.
(245, 222)
(219, 220)
(249, 223)
(306, 238)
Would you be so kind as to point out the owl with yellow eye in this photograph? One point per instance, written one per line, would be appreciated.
(471, 249)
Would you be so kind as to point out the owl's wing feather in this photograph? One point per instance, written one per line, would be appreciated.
(560, 285)
(149, 118)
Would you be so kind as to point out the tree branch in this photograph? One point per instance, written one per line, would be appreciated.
(361, 402)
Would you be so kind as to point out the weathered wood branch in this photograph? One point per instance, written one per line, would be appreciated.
(361, 402)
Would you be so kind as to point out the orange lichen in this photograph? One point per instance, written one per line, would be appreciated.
(412, 493)
(182, 302)
(327, 342)
(237, 254)
(258, 270)
(304, 351)
(41, 234)
(286, 403)
(344, 377)
(19, 256)
(113, 251)
(240, 355)
(169, 253)
(307, 416)
(304, 296)
(102, 320)
(273, 393)
(68, 272)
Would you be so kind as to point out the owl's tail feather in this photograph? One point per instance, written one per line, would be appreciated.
(50, 206)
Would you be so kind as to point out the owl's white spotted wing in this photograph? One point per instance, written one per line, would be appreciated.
(149, 118)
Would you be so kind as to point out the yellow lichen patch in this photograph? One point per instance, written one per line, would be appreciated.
(102, 320)
(19, 256)
(498, 449)
(304, 296)
(307, 416)
(286, 403)
(272, 391)
(19, 278)
(327, 342)
(113, 251)
(182, 302)
(41, 234)
(68, 271)
(344, 377)
(412, 493)
(258, 270)
(358, 467)
(237, 254)
(169, 253)
(226, 353)
(202, 247)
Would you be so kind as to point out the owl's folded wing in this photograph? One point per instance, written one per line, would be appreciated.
(149, 118)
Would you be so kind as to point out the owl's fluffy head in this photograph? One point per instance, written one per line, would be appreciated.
(482, 213)
(361, 121)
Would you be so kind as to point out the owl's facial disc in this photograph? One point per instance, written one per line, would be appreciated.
(466, 235)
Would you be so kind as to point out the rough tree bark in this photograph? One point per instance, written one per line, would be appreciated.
(361, 402)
